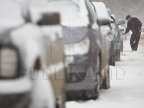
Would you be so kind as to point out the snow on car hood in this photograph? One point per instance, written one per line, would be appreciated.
(10, 14)
(72, 13)
(76, 40)
(102, 12)
(74, 34)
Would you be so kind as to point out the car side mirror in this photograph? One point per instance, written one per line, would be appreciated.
(113, 18)
(120, 22)
(49, 19)
(112, 21)
(103, 22)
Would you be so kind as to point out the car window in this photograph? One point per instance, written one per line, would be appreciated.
(10, 14)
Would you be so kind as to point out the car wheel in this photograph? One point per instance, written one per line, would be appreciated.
(106, 81)
(117, 56)
(98, 85)
(98, 77)
(121, 46)
(94, 94)
(112, 60)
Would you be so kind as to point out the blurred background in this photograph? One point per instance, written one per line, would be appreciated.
(121, 8)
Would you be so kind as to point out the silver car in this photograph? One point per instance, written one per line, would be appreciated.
(32, 60)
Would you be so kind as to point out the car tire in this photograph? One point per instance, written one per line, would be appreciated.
(98, 77)
(112, 60)
(106, 81)
(117, 56)
(94, 94)
(98, 86)
(121, 48)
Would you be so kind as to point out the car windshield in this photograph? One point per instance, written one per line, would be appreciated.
(10, 14)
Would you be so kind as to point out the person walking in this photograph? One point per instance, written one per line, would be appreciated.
(134, 24)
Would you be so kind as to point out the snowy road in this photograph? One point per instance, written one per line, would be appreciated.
(127, 84)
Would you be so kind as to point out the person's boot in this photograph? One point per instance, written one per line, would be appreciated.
(135, 49)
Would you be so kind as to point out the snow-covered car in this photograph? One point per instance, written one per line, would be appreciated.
(82, 49)
(54, 57)
(116, 31)
(32, 60)
(105, 46)
(109, 31)
(106, 29)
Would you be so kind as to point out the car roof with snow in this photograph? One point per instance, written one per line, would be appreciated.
(72, 12)
(102, 12)
(10, 14)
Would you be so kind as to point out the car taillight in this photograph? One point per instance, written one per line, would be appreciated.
(8, 63)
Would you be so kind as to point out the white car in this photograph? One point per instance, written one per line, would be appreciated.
(32, 60)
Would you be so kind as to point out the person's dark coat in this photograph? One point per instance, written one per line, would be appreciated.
(134, 25)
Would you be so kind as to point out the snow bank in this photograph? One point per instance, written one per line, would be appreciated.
(42, 95)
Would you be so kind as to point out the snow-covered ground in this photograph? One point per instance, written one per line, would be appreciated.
(127, 83)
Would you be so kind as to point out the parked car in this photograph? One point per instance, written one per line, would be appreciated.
(88, 67)
(106, 29)
(54, 56)
(118, 40)
(109, 31)
(32, 60)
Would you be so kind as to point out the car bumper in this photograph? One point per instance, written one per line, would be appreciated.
(15, 101)
(17, 86)
(81, 86)
(87, 81)
(78, 91)
(15, 93)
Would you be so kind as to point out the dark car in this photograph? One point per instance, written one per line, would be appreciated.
(109, 31)
(88, 68)
(116, 31)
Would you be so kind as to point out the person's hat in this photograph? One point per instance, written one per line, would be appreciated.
(128, 16)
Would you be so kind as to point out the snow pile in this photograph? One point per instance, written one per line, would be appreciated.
(72, 13)
(42, 95)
